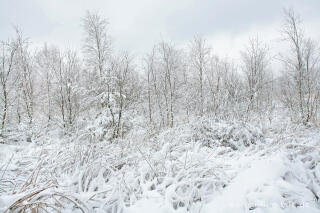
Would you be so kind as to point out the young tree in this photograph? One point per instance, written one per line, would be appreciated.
(7, 80)
(71, 79)
(154, 84)
(150, 63)
(97, 52)
(123, 89)
(170, 63)
(97, 43)
(122, 78)
(164, 70)
(199, 59)
(67, 74)
(46, 61)
(301, 87)
(25, 67)
(255, 62)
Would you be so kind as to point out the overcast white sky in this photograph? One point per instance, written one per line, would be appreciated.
(136, 25)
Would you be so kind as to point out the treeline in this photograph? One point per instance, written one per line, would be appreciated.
(50, 86)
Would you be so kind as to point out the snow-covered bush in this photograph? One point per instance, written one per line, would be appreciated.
(216, 133)
(183, 169)
(236, 135)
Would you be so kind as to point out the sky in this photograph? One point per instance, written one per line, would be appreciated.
(135, 25)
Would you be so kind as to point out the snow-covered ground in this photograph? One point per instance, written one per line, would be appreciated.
(204, 166)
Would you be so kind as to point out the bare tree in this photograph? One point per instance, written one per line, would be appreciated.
(122, 92)
(47, 60)
(61, 99)
(199, 58)
(150, 65)
(67, 74)
(164, 73)
(97, 52)
(122, 76)
(97, 43)
(155, 89)
(255, 62)
(9, 50)
(300, 88)
(170, 65)
(25, 68)
(71, 78)
(312, 78)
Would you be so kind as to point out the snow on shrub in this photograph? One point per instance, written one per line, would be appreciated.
(214, 133)
(236, 135)
(189, 168)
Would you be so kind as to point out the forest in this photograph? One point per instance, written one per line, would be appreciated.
(181, 129)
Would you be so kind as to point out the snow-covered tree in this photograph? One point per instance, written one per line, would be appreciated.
(301, 78)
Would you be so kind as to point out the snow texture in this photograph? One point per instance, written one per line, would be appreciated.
(204, 166)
